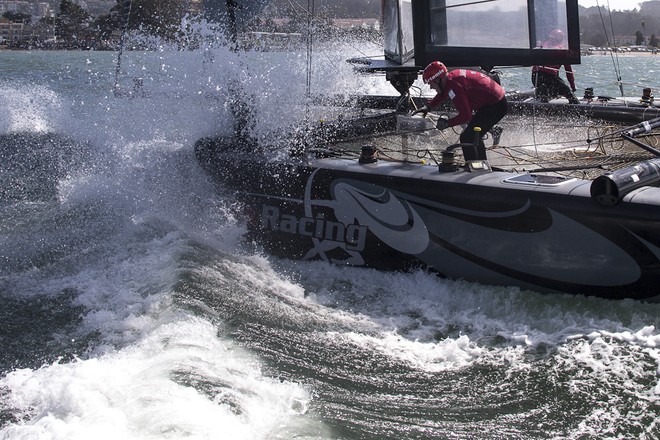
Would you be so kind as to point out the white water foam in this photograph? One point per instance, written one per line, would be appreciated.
(442, 324)
(29, 108)
(180, 380)
(150, 371)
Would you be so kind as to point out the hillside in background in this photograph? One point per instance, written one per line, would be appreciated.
(596, 28)
(595, 25)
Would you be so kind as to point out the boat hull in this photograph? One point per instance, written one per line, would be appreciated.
(537, 232)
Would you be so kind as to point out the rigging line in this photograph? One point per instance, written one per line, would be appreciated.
(534, 115)
(309, 15)
(618, 67)
(295, 5)
(465, 4)
(300, 10)
(381, 135)
(303, 13)
(122, 41)
(310, 37)
(613, 55)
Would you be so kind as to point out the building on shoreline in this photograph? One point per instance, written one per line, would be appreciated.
(35, 9)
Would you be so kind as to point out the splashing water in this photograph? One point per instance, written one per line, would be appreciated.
(132, 308)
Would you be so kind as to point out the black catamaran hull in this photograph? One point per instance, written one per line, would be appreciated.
(619, 110)
(536, 232)
(613, 111)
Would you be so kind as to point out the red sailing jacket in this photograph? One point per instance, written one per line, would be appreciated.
(554, 70)
(469, 91)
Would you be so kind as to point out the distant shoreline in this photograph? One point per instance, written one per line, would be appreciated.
(106, 49)
(623, 54)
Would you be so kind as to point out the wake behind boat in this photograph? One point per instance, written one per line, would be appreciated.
(339, 196)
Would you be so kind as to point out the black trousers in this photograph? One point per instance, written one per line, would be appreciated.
(485, 118)
(548, 86)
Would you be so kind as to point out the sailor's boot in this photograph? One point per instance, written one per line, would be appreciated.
(496, 133)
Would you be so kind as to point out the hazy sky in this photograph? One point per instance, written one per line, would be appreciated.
(619, 5)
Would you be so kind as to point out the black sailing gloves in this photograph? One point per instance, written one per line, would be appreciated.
(442, 123)
(423, 110)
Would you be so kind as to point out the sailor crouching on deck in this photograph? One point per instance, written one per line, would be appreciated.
(547, 82)
(479, 100)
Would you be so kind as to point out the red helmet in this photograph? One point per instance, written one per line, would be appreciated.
(434, 71)
(557, 35)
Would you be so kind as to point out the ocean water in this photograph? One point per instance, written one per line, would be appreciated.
(608, 74)
(130, 306)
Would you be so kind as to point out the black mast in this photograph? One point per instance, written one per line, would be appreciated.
(243, 114)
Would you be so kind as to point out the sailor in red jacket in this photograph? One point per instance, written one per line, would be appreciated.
(479, 100)
(546, 79)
